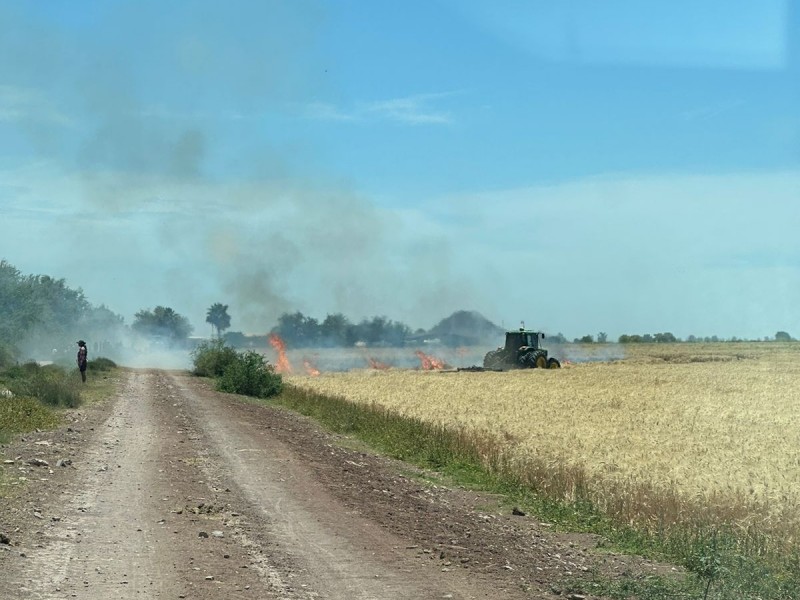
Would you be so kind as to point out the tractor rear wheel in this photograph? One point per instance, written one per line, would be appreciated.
(553, 363)
(492, 360)
(541, 362)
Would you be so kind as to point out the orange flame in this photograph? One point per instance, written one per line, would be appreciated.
(283, 365)
(376, 364)
(429, 363)
(310, 368)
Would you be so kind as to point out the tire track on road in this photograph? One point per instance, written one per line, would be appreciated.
(106, 542)
(333, 552)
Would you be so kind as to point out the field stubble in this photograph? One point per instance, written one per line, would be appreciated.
(671, 434)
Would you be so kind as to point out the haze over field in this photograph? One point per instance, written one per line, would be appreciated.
(623, 170)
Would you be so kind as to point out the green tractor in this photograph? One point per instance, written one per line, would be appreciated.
(521, 351)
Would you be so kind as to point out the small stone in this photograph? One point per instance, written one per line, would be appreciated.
(202, 534)
(217, 534)
(209, 578)
(518, 512)
(38, 462)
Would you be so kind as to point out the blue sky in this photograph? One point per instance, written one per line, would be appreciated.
(583, 166)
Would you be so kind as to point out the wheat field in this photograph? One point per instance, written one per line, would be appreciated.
(713, 425)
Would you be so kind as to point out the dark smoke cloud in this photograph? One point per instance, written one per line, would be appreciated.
(188, 203)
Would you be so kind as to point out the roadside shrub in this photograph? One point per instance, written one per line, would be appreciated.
(249, 374)
(20, 372)
(21, 414)
(212, 358)
(101, 363)
(50, 384)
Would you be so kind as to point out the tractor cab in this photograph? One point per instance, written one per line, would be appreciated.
(522, 339)
(522, 351)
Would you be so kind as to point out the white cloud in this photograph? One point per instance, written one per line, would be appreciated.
(413, 110)
(27, 104)
(328, 112)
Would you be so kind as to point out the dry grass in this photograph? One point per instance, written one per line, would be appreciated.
(670, 430)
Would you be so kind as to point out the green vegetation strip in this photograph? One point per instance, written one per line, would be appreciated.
(724, 563)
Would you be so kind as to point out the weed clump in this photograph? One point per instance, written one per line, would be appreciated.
(28, 394)
(19, 414)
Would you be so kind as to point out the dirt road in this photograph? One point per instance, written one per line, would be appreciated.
(172, 490)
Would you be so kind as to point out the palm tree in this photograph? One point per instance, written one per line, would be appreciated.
(218, 316)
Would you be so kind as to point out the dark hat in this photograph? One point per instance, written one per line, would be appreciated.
(81, 343)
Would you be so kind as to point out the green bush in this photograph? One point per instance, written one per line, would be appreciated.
(101, 364)
(50, 384)
(249, 374)
(212, 358)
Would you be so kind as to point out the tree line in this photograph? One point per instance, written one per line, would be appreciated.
(40, 314)
(665, 338)
(336, 330)
(295, 328)
(162, 324)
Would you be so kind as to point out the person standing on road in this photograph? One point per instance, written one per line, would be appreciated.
(83, 359)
